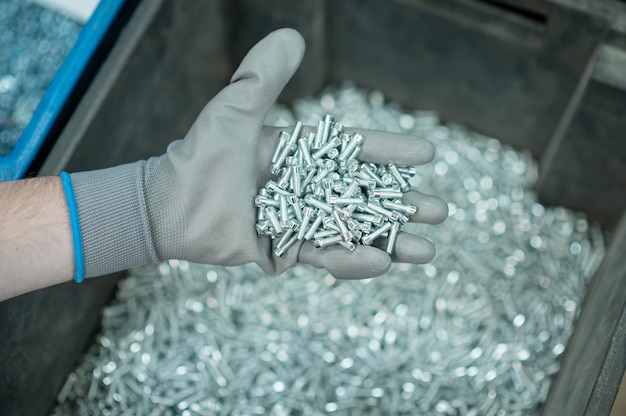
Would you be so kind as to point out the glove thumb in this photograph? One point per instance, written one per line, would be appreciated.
(260, 78)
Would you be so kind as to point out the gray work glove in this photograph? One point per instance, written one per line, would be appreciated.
(196, 202)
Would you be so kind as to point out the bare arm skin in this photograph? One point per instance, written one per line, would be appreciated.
(35, 236)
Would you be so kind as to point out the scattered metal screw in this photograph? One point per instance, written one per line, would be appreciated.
(478, 331)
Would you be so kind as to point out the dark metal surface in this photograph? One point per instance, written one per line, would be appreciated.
(585, 166)
(496, 71)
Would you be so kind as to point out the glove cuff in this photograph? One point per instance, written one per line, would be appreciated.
(113, 218)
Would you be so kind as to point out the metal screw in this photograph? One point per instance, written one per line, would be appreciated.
(478, 331)
(368, 239)
(283, 138)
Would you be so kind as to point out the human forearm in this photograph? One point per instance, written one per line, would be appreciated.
(35, 236)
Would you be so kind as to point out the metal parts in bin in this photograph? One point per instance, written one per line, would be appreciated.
(479, 331)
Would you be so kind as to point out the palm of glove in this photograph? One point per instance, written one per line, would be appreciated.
(200, 194)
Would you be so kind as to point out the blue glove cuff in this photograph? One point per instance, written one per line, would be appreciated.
(75, 225)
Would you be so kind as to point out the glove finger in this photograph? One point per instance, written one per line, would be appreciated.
(263, 73)
(364, 262)
(410, 248)
(402, 149)
(430, 209)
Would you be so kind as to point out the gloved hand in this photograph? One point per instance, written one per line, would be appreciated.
(196, 201)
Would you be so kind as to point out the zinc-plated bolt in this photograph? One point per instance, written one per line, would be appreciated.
(338, 187)
(393, 236)
(366, 183)
(326, 233)
(284, 214)
(273, 186)
(368, 239)
(353, 224)
(345, 139)
(291, 228)
(328, 241)
(262, 201)
(331, 165)
(296, 179)
(345, 201)
(327, 184)
(280, 161)
(321, 174)
(262, 227)
(283, 138)
(328, 122)
(318, 191)
(402, 219)
(385, 193)
(319, 136)
(309, 178)
(295, 203)
(343, 229)
(353, 156)
(279, 252)
(306, 155)
(295, 135)
(347, 211)
(308, 213)
(375, 219)
(331, 144)
(284, 178)
(309, 199)
(336, 129)
(270, 213)
(399, 206)
(351, 189)
(353, 166)
(329, 224)
(404, 186)
(367, 173)
(387, 178)
(348, 244)
(321, 214)
(355, 140)
(377, 209)
(407, 170)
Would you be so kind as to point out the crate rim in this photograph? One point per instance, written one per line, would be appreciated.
(15, 164)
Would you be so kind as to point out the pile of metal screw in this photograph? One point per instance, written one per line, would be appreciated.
(33, 43)
(479, 331)
(325, 194)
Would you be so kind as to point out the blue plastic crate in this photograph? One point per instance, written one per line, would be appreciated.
(16, 164)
